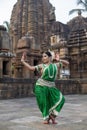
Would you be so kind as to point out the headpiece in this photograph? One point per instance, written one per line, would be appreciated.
(48, 53)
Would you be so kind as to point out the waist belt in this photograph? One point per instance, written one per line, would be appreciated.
(43, 82)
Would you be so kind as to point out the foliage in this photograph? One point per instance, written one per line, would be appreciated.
(83, 3)
(7, 25)
(79, 11)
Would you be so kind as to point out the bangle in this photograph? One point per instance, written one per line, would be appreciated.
(59, 60)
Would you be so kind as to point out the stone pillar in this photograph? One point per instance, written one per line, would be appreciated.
(33, 21)
(40, 22)
(46, 16)
(25, 17)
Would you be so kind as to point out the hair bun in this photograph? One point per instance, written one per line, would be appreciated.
(48, 53)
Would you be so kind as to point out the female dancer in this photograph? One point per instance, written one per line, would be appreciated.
(49, 99)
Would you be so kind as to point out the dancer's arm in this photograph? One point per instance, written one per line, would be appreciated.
(30, 67)
(60, 61)
(64, 62)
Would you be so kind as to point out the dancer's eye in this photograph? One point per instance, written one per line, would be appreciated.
(44, 55)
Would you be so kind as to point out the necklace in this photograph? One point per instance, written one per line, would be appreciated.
(51, 76)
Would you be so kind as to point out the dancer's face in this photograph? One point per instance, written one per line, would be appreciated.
(45, 58)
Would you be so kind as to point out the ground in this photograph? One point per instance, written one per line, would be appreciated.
(24, 114)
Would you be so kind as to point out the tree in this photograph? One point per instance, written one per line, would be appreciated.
(83, 3)
(79, 11)
(84, 9)
(7, 25)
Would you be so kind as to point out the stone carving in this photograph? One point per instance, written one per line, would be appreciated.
(77, 46)
(52, 14)
(6, 53)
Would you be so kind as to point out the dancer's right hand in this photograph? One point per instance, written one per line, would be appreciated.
(23, 58)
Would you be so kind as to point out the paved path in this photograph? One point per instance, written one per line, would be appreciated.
(23, 114)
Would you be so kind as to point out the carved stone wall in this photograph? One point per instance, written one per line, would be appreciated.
(18, 88)
(6, 53)
(77, 46)
(30, 16)
(30, 19)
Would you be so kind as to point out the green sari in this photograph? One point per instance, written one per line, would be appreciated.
(49, 99)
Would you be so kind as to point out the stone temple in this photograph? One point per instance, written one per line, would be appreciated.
(34, 29)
